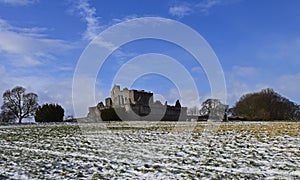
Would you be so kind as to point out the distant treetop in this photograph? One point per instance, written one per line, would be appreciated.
(266, 105)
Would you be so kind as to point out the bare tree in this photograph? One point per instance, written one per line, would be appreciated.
(213, 109)
(18, 103)
(193, 111)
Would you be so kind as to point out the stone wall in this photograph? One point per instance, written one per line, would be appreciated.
(122, 97)
(138, 105)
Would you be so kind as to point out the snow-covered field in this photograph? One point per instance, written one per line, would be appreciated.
(151, 151)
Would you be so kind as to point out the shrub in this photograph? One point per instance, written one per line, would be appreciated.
(266, 105)
(49, 113)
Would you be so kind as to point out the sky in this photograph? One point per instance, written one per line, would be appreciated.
(256, 42)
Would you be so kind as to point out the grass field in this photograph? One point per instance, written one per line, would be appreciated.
(151, 150)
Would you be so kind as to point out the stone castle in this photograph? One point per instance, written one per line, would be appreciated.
(138, 105)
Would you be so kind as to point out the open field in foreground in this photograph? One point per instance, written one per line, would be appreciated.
(151, 151)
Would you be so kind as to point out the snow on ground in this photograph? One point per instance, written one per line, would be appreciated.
(151, 151)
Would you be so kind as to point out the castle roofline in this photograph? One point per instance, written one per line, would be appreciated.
(126, 89)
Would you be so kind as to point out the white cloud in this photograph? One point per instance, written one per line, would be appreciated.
(26, 46)
(245, 71)
(289, 85)
(2, 70)
(2, 79)
(23, 48)
(28, 60)
(56, 91)
(18, 2)
(180, 11)
(88, 14)
(186, 97)
(126, 18)
(242, 80)
(205, 6)
(105, 44)
(49, 90)
(85, 94)
(198, 70)
(282, 51)
(200, 6)
(235, 90)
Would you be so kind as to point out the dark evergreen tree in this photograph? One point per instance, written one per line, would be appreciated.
(177, 104)
(49, 113)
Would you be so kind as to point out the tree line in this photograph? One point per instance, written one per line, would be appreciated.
(19, 105)
(264, 105)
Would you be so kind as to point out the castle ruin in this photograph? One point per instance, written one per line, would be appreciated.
(137, 105)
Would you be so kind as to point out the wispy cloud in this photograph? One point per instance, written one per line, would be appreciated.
(281, 51)
(289, 86)
(25, 53)
(18, 2)
(197, 70)
(88, 14)
(245, 71)
(180, 10)
(26, 46)
(203, 7)
(242, 80)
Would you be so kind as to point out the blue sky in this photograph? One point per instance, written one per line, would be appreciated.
(257, 44)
